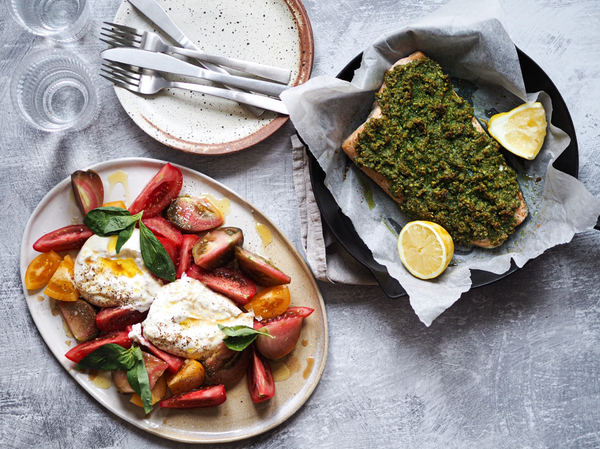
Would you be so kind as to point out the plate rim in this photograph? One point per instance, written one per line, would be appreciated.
(305, 66)
(342, 228)
(141, 423)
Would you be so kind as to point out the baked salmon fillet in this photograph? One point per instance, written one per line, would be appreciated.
(423, 146)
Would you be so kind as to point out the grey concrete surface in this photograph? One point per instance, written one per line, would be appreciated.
(511, 365)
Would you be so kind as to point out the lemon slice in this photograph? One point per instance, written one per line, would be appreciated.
(522, 130)
(425, 248)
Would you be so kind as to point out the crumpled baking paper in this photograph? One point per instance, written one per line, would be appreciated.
(469, 40)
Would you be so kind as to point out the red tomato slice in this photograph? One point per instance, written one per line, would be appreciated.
(163, 227)
(202, 398)
(226, 281)
(170, 248)
(260, 270)
(40, 270)
(160, 191)
(63, 239)
(173, 361)
(84, 349)
(111, 319)
(285, 330)
(185, 254)
(260, 378)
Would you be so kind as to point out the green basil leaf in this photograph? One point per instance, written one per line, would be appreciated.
(155, 256)
(139, 381)
(124, 235)
(240, 337)
(106, 221)
(108, 357)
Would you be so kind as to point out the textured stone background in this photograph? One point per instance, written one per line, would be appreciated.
(513, 364)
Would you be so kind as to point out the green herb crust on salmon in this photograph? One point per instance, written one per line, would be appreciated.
(424, 147)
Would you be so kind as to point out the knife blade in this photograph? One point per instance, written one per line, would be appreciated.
(169, 64)
(153, 11)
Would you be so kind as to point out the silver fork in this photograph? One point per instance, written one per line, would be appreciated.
(124, 36)
(149, 82)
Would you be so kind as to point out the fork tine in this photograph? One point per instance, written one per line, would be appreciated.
(117, 41)
(118, 83)
(124, 28)
(122, 34)
(120, 74)
(125, 72)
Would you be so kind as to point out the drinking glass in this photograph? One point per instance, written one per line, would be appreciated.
(60, 20)
(54, 91)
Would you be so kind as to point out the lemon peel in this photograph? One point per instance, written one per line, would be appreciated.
(425, 248)
(521, 130)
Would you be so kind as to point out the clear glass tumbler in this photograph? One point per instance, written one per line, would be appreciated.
(60, 20)
(54, 91)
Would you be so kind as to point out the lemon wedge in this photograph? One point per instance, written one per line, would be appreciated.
(521, 130)
(425, 248)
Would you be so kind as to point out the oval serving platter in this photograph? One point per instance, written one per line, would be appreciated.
(238, 418)
(535, 80)
(276, 33)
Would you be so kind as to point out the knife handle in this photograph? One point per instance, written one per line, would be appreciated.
(265, 71)
(248, 99)
(240, 82)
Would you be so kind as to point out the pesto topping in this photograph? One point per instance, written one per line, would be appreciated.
(437, 163)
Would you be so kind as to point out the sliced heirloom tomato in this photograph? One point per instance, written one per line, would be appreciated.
(80, 317)
(185, 257)
(63, 239)
(154, 366)
(88, 189)
(120, 204)
(82, 350)
(260, 270)
(170, 248)
(194, 214)
(40, 270)
(111, 319)
(160, 191)
(226, 366)
(226, 281)
(189, 377)
(269, 302)
(260, 378)
(285, 329)
(217, 247)
(174, 362)
(162, 227)
(61, 286)
(202, 398)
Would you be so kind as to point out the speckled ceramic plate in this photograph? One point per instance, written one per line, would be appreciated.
(276, 33)
(238, 417)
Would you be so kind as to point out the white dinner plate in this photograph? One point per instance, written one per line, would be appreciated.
(276, 33)
(238, 417)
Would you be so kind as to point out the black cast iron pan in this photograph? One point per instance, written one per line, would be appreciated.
(343, 229)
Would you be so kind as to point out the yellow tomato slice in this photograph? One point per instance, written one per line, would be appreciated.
(41, 269)
(120, 204)
(270, 302)
(61, 285)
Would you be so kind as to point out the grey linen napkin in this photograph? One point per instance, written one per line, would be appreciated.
(327, 258)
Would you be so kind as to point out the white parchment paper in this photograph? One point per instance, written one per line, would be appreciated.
(469, 40)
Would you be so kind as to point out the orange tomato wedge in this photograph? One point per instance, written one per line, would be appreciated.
(270, 302)
(61, 285)
(41, 269)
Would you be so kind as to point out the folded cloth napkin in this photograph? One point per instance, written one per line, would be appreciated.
(327, 258)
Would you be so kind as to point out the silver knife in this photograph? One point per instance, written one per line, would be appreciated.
(161, 19)
(170, 64)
